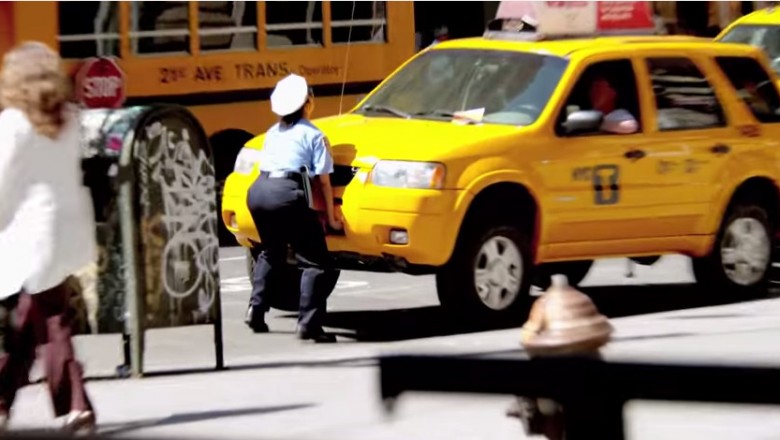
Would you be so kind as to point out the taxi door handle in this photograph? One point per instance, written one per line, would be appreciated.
(634, 154)
(720, 149)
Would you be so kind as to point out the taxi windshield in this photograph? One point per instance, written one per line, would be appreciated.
(766, 37)
(500, 87)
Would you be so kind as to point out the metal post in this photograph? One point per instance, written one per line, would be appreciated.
(218, 346)
(123, 370)
(129, 230)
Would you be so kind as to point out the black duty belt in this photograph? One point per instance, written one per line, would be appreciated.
(280, 174)
(295, 176)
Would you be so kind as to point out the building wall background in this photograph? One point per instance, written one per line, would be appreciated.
(704, 19)
(434, 20)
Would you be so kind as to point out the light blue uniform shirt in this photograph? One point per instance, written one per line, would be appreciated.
(290, 148)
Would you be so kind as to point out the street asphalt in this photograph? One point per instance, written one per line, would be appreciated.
(278, 388)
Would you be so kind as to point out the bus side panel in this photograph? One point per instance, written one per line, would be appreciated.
(6, 26)
(256, 117)
(400, 33)
(36, 21)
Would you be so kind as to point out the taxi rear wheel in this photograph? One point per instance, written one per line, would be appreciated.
(488, 277)
(740, 261)
(287, 288)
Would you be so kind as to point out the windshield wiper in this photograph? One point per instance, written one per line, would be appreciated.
(438, 112)
(387, 109)
(447, 114)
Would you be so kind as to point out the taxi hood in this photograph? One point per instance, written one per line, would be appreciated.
(360, 141)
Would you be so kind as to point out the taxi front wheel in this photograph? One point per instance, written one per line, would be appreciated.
(740, 261)
(489, 275)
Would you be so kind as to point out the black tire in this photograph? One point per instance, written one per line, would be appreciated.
(646, 261)
(455, 282)
(287, 289)
(575, 271)
(710, 272)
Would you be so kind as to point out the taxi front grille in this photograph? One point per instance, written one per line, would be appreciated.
(342, 175)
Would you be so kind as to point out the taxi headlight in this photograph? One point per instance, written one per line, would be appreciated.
(405, 174)
(246, 161)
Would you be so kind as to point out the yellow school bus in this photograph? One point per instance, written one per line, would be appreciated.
(222, 59)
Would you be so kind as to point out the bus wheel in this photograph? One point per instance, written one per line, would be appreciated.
(225, 146)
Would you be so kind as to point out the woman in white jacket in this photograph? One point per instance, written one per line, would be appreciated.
(46, 230)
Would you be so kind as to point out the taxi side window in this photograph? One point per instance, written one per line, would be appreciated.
(609, 87)
(753, 86)
(685, 100)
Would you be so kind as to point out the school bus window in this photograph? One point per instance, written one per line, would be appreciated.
(293, 24)
(159, 27)
(358, 22)
(227, 26)
(88, 29)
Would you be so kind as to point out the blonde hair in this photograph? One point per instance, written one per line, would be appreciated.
(32, 80)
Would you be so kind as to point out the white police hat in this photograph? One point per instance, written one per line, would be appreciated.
(289, 95)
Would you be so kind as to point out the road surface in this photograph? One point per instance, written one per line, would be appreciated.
(279, 388)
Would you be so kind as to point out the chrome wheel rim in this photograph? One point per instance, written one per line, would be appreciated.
(745, 251)
(498, 273)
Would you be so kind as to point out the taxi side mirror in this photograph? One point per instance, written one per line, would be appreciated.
(583, 121)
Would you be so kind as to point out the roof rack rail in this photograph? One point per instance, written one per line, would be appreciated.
(513, 36)
(538, 36)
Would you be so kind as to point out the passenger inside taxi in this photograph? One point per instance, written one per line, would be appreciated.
(604, 98)
(610, 88)
(752, 96)
(753, 86)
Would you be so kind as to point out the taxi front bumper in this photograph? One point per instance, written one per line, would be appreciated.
(422, 223)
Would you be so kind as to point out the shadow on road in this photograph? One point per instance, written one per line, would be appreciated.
(620, 301)
(175, 419)
(613, 301)
(401, 324)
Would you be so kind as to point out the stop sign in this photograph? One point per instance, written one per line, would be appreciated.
(100, 83)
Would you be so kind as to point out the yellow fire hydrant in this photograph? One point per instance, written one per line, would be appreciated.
(562, 322)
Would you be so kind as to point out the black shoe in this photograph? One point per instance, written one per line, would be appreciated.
(318, 335)
(256, 323)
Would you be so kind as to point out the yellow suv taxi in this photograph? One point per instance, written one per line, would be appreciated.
(484, 162)
(759, 28)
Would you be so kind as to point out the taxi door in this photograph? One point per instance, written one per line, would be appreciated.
(693, 112)
(753, 104)
(602, 192)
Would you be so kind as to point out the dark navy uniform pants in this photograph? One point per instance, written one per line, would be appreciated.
(283, 217)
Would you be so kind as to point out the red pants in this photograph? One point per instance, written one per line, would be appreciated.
(42, 320)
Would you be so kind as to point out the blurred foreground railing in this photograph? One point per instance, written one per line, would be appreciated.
(592, 392)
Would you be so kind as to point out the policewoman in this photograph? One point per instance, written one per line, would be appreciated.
(282, 214)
